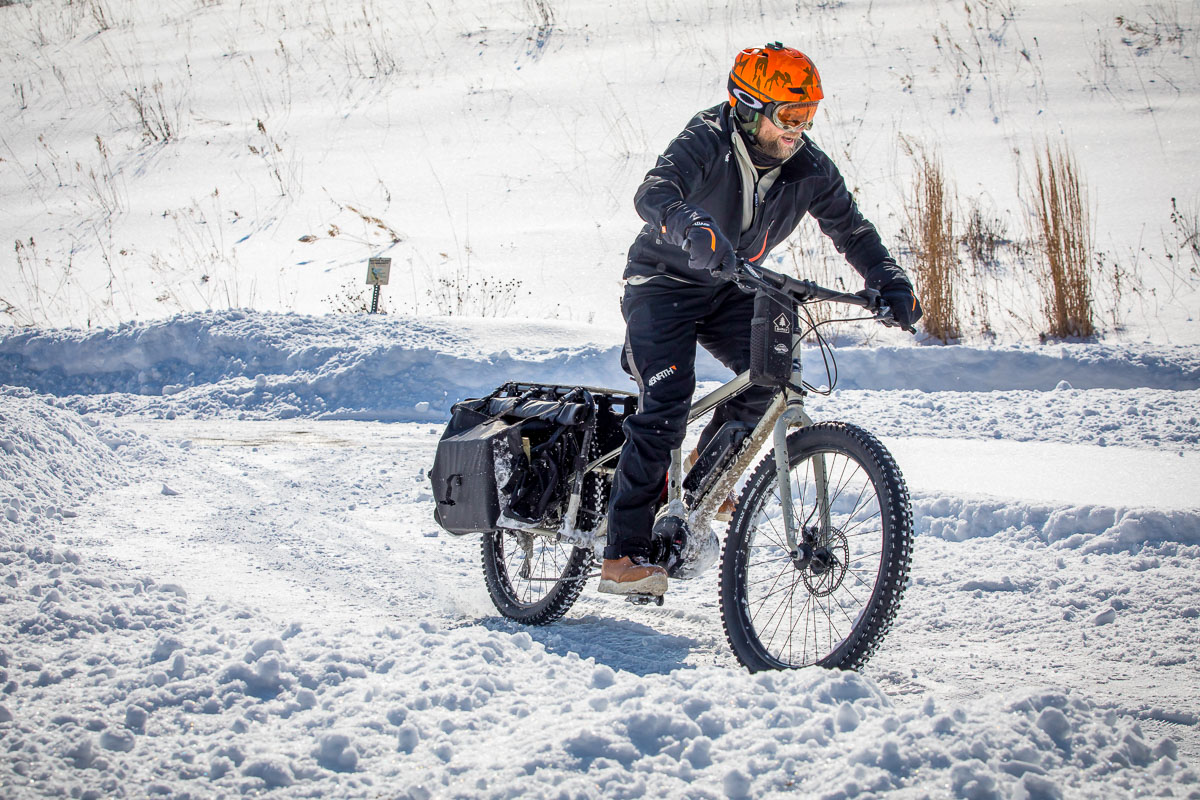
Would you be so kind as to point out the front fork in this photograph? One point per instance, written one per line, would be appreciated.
(794, 415)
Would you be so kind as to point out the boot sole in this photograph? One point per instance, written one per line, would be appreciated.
(653, 584)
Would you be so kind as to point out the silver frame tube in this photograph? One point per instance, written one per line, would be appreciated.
(785, 412)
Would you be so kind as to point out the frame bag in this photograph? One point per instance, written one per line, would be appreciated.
(771, 330)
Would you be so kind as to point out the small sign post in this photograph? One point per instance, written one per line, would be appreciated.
(378, 271)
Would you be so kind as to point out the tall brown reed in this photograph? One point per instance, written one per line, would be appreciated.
(1064, 230)
(937, 269)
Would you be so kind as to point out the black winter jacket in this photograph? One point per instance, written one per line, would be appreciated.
(698, 175)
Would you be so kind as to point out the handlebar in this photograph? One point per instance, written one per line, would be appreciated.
(751, 278)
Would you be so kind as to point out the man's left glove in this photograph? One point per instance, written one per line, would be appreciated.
(906, 309)
(709, 250)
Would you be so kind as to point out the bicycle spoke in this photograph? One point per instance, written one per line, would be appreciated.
(785, 602)
(772, 592)
(828, 619)
(866, 583)
(843, 608)
(858, 503)
(774, 580)
(764, 580)
(876, 515)
(779, 539)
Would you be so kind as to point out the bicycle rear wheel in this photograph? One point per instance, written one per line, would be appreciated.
(831, 601)
(531, 579)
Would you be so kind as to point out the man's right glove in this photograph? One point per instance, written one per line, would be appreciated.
(906, 309)
(709, 250)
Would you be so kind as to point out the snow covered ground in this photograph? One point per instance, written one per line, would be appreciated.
(219, 574)
(204, 599)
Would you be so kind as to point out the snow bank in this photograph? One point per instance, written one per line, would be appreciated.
(283, 365)
(395, 368)
(983, 369)
(51, 458)
(1092, 528)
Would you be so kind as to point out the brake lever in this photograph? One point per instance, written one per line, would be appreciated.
(891, 322)
(883, 312)
(745, 277)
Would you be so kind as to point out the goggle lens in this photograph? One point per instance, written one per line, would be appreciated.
(794, 116)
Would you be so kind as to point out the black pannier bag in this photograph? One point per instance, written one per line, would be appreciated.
(771, 330)
(505, 459)
(464, 468)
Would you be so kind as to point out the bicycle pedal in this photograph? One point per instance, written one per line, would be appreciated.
(644, 599)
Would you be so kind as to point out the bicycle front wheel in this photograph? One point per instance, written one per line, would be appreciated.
(830, 601)
(530, 578)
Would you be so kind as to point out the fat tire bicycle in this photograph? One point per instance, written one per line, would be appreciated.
(817, 554)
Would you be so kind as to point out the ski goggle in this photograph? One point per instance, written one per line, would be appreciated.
(792, 116)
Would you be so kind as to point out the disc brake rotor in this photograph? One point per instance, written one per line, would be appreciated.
(827, 568)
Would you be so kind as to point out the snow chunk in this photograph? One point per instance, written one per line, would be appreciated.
(336, 752)
(117, 739)
(164, 647)
(274, 772)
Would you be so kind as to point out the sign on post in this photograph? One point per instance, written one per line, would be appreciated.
(378, 271)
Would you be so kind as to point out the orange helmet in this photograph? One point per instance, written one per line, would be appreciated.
(776, 81)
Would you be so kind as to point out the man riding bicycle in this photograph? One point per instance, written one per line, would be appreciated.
(734, 184)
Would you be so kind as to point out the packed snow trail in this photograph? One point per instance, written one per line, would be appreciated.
(1057, 476)
(1035, 575)
(122, 685)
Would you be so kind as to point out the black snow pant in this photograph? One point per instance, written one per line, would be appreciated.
(665, 320)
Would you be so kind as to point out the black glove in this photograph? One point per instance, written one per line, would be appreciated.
(709, 250)
(906, 309)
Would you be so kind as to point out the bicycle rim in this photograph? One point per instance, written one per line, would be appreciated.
(831, 601)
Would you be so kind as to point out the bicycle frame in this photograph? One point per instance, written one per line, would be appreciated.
(797, 532)
(785, 411)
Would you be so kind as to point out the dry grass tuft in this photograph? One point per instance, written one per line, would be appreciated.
(1186, 235)
(983, 239)
(937, 269)
(1064, 231)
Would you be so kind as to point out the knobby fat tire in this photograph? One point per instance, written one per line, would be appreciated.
(875, 619)
(549, 607)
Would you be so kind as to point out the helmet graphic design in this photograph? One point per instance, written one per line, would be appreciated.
(765, 78)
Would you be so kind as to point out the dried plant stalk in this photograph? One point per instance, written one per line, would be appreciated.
(937, 270)
(1064, 230)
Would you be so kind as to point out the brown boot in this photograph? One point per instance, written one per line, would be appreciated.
(632, 575)
(725, 511)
